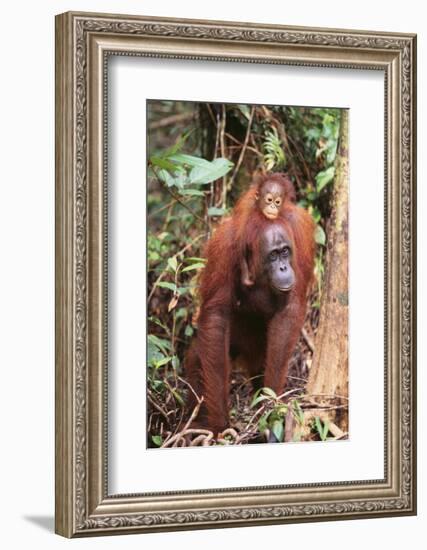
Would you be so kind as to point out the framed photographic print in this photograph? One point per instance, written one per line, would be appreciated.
(235, 274)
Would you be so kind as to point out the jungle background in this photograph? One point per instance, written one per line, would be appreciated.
(201, 158)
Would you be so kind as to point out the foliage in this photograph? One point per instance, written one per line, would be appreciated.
(274, 155)
(197, 169)
(275, 413)
(322, 428)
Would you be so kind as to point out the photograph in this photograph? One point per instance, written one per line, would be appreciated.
(235, 273)
(247, 283)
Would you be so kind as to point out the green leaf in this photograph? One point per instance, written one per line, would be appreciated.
(258, 391)
(173, 264)
(277, 429)
(157, 440)
(318, 424)
(315, 212)
(210, 171)
(163, 163)
(157, 322)
(192, 192)
(194, 259)
(189, 331)
(313, 133)
(244, 109)
(178, 180)
(258, 399)
(164, 176)
(160, 343)
(181, 313)
(153, 256)
(269, 392)
(193, 266)
(325, 430)
(282, 410)
(169, 286)
(213, 211)
(162, 362)
(262, 394)
(189, 160)
(158, 385)
(154, 355)
(183, 290)
(262, 424)
(298, 412)
(177, 145)
(178, 398)
(319, 235)
(322, 429)
(324, 177)
(263, 421)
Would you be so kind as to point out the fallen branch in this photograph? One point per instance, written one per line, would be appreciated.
(168, 442)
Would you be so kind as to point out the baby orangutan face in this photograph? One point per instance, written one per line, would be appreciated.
(270, 199)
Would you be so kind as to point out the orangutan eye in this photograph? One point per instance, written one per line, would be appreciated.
(278, 202)
(273, 255)
(285, 252)
(269, 198)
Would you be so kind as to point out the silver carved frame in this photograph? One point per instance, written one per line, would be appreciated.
(83, 43)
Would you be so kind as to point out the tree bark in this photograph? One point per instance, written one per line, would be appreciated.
(329, 371)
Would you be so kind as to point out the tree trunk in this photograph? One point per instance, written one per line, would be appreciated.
(329, 372)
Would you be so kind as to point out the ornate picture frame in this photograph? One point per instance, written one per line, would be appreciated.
(84, 42)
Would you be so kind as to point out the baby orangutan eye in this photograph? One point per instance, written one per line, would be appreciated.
(278, 202)
(269, 198)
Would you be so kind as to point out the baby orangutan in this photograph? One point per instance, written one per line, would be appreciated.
(271, 193)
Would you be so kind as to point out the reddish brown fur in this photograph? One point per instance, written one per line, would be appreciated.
(247, 204)
(261, 330)
(283, 180)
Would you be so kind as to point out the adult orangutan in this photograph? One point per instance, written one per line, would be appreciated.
(258, 315)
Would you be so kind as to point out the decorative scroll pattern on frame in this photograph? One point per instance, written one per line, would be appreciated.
(211, 31)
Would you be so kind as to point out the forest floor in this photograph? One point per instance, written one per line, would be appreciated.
(290, 416)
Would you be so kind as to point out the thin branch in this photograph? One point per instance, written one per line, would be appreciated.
(156, 405)
(301, 156)
(164, 207)
(177, 198)
(223, 154)
(211, 113)
(198, 399)
(308, 340)
(329, 395)
(247, 382)
(194, 414)
(239, 145)
(319, 407)
(182, 203)
(243, 150)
